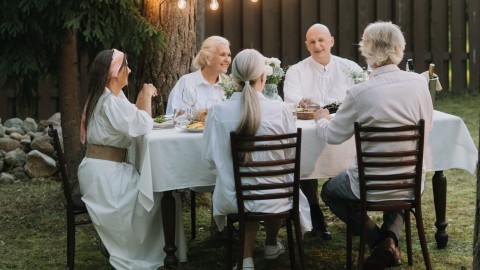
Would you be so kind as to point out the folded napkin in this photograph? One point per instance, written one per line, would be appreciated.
(438, 86)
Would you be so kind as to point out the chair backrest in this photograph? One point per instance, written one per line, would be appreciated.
(283, 162)
(394, 167)
(61, 165)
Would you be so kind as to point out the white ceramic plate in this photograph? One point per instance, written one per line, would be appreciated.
(166, 124)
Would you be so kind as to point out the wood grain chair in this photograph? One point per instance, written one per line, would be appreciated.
(410, 160)
(74, 206)
(285, 165)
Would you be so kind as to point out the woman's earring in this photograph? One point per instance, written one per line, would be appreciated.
(208, 63)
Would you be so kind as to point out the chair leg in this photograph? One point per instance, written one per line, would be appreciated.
(349, 242)
(193, 214)
(298, 236)
(229, 243)
(70, 241)
(408, 237)
(421, 235)
(363, 237)
(291, 248)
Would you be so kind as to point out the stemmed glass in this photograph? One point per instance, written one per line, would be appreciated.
(189, 98)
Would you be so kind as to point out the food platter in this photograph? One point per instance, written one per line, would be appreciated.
(192, 127)
(162, 121)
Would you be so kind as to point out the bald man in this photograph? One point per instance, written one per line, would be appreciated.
(320, 79)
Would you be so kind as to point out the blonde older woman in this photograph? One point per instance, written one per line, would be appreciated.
(247, 112)
(211, 62)
(391, 97)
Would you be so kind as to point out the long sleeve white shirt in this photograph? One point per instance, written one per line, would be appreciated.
(224, 117)
(391, 97)
(207, 94)
(321, 84)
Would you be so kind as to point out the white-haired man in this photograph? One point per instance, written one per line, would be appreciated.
(390, 97)
(320, 79)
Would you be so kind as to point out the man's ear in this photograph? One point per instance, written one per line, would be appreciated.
(333, 41)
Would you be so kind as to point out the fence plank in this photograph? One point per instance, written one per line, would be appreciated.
(271, 22)
(213, 20)
(421, 35)
(403, 18)
(366, 15)
(347, 29)
(439, 24)
(458, 43)
(385, 10)
(232, 25)
(329, 17)
(47, 99)
(252, 35)
(474, 38)
(291, 36)
(309, 15)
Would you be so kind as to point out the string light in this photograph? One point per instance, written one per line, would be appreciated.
(214, 5)
(254, 1)
(182, 4)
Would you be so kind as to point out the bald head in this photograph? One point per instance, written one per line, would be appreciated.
(319, 42)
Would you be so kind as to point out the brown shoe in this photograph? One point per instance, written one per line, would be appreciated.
(389, 243)
(385, 254)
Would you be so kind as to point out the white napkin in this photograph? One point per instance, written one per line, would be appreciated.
(438, 86)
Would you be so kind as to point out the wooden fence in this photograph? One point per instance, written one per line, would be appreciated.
(277, 29)
(444, 32)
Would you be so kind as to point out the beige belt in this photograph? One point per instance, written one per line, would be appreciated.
(106, 152)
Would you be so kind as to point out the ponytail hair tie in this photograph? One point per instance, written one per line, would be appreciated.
(247, 83)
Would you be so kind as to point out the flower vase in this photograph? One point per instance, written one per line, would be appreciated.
(270, 91)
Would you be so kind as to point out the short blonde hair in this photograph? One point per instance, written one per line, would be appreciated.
(209, 46)
(382, 43)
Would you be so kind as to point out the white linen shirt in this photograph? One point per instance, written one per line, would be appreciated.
(207, 94)
(321, 84)
(223, 118)
(391, 97)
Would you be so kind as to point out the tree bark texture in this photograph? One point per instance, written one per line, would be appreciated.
(167, 66)
(476, 235)
(68, 88)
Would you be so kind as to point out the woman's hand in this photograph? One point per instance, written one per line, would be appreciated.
(322, 114)
(148, 90)
(303, 103)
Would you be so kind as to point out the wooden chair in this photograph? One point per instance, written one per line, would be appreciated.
(288, 165)
(410, 159)
(74, 206)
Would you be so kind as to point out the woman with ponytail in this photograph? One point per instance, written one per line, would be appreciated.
(248, 112)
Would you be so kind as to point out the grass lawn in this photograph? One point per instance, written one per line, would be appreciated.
(33, 226)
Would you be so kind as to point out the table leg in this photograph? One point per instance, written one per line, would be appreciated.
(439, 183)
(168, 216)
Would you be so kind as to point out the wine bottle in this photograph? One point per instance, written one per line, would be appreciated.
(409, 66)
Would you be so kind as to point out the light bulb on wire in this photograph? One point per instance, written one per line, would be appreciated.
(254, 1)
(182, 4)
(214, 5)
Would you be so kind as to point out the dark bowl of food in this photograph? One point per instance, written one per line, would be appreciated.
(333, 107)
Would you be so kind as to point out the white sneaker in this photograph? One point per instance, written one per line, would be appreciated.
(272, 252)
(247, 264)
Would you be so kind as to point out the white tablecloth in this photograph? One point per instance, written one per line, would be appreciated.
(169, 159)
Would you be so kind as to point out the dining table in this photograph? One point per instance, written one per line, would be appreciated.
(169, 159)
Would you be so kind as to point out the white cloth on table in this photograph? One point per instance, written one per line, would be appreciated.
(223, 118)
(391, 97)
(207, 94)
(321, 84)
(132, 235)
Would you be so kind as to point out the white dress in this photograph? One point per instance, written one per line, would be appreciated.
(133, 236)
(223, 118)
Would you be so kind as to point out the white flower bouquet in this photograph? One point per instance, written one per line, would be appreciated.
(228, 85)
(275, 72)
(357, 76)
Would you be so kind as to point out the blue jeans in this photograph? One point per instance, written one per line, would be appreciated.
(337, 191)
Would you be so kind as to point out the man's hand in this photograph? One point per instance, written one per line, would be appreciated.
(322, 114)
(304, 102)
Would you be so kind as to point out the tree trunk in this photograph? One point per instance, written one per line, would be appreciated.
(68, 88)
(476, 235)
(166, 66)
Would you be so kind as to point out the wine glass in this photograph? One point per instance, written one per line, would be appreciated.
(189, 98)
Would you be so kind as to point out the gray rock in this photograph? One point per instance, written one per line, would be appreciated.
(15, 158)
(29, 125)
(26, 140)
(43, 145)
(2, 131)
(14, 129)
(16, 136)
(39, 165)
(13, 122)
(7, 178)
(56, 117)
(7, 144)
